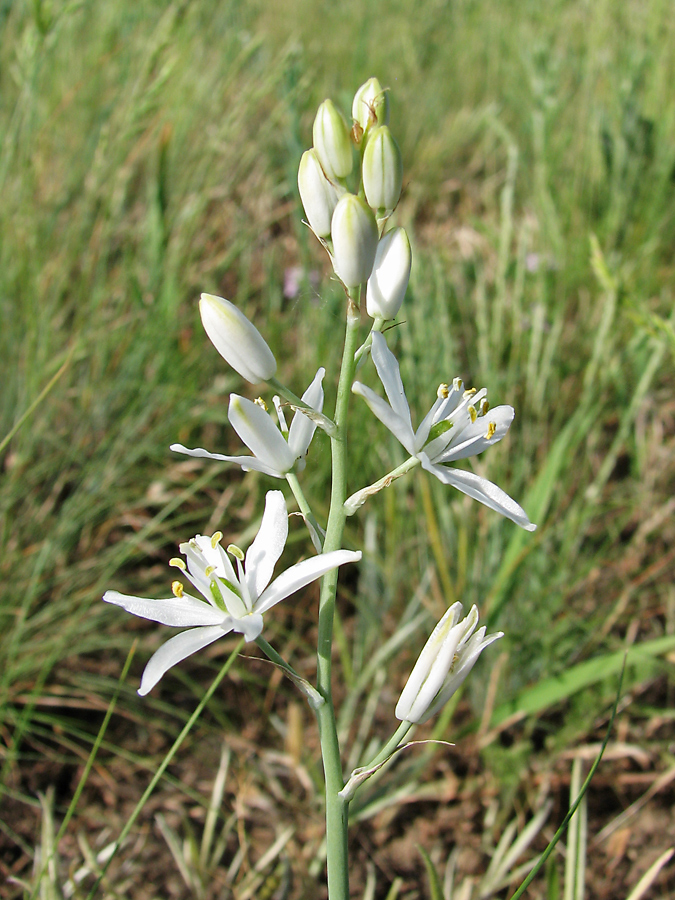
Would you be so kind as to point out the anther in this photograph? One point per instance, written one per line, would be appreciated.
(484, 406)
(209, 570)
(457, 384)
(236, 552)
(216, 538)
(491, 430)
(177, 563)
(473, 413)
(443, 391)
(177, 589)
(261, 403)
(470, 392)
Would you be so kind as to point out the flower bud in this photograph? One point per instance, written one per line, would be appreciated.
(331, 141)
(371, 105)
(354, 234)
(447, 658)
(391, 272)
(236, 339)
(382, 170)
(318, 195)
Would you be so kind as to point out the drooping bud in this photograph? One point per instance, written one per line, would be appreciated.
(331, 141)
(447, 658)
(236, 339)
(391, 272)
(319, 197)
(382, 170)
(354, 233)
(371, 105)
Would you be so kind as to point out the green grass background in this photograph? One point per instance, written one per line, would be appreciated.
(149, 152)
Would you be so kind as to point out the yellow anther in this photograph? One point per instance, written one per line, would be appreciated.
(443, 391)
(473, 413)
(470, 392)
(457, 384)
(177, 589)
(484, 406)
(236, 552)
(209, 570)
(216, 538)
(177, 563)
(261, 403)
(491, 430)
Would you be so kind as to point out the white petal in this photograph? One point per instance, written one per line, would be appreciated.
(302, 429)
(473, 439)
(400, 428)
(303, 573)
(178, 648)
(247, 463)
(257, 430)
(236, 339)
(262, 555)
(250, 626)
(178, 611)
(480, 489)
(390, 376)
(455, 680)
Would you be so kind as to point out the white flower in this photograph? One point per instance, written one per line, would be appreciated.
(459, 424)
(355, 237)
(233, 601)
(331, 141)
(447, 658)
(273, 454)
(382, 170)
(371, 105)
(388, 281)
(319, 197)
(237, 339)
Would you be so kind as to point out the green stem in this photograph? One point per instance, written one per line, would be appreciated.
(336, 806)
(391, 745)
(359, 498)
(295, 401)
(305, 508)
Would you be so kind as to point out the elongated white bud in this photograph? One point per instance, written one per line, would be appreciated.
(319, 197)
(447, 658)
(354, 234)
(371, 105)
(236, 339)
(382, 170)
(331, 141)
(391, 272)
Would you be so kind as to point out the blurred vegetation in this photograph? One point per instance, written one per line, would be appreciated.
(149, 151)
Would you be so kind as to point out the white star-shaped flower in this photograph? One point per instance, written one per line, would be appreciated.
(273, 453)
(459, 424)
(233, 600)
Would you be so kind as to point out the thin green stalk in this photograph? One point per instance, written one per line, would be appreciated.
(391, 746)
(305, 508)
(336, 806)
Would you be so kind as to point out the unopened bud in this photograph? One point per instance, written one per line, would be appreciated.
(382, 170)
(318, 195)
(371, 105)
(331, 141)
(236, 339)
(354, 233)
(391, 272)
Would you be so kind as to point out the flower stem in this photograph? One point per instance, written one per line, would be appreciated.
(336, 806)
(391, 745)
(315, 530)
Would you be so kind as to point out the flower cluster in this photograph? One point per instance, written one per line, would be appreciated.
(349, 209)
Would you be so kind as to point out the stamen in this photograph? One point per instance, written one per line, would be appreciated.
(472, 413)
(261, 403)
(484, 406)
(491, 431)
(236, 552)
(177, 589)
(469, 392)
(177, 563)
(457, 384)
(216, 538)
(443, 391)
(209, 570)
(280, 415)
